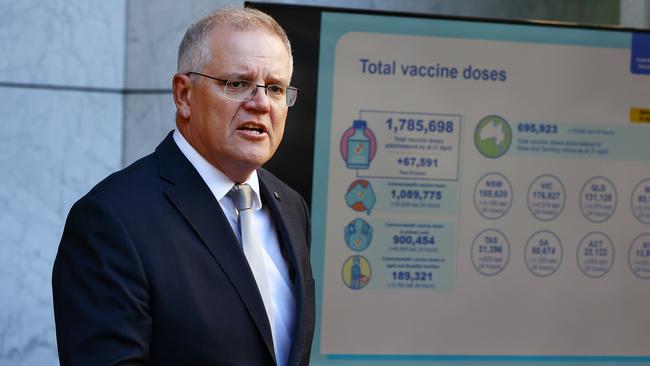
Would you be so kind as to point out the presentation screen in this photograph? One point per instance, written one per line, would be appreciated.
(481, 189)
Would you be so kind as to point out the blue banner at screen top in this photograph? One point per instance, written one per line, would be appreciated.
(640, 57)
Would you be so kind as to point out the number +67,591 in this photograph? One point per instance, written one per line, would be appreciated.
(419, 125)
(413, 162)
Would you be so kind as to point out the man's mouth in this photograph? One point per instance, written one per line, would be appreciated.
(253, 127)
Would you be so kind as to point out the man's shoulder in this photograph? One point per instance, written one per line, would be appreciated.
(141, 178)
(136, 177)
(131, 191)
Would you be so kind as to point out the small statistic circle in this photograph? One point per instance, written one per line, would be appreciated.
(595, 254)
(490, 252)
(546, 197)
(543, 253)
(641, 201)
(639, 256)
(493, 196)
(598, 199)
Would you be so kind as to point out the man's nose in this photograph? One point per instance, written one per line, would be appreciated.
(260, 100)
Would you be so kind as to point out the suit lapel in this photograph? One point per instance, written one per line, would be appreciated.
(194, 200)
(289, 237)
(284, 225)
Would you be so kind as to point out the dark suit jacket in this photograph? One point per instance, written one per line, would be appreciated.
(149, 272)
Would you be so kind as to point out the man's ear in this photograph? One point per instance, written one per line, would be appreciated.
(182, 91)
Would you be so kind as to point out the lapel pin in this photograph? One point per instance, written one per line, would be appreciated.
(277, 196)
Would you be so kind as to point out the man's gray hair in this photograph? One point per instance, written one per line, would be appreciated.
(194, 52)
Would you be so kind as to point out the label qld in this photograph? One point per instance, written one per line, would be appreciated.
(392, 68)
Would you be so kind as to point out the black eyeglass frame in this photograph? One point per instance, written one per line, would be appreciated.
(265, 87)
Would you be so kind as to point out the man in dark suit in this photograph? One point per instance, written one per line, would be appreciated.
(161, 263)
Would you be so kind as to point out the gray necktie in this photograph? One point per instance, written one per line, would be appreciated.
(242, 197)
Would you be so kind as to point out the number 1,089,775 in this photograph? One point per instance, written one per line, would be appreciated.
(415, 194)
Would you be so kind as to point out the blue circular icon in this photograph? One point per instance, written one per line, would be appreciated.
(358, 234)
(360, 196)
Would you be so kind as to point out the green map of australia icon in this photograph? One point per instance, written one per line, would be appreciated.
(492, 136)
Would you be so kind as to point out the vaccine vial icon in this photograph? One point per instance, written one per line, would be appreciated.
(358, 146)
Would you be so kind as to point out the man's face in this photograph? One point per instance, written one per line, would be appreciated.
(238, 137)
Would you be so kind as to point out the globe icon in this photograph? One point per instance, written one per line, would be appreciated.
(492, 136)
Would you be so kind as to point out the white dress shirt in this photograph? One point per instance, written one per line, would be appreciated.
(282, 303)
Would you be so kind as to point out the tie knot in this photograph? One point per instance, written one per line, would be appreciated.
(241, 196)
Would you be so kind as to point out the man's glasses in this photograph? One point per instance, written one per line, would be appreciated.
(244, 90)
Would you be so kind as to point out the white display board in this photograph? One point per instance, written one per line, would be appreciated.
(481, 192)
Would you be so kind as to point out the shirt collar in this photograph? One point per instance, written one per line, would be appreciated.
(218, 182)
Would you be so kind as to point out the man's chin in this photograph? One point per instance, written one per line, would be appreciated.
(251, 161)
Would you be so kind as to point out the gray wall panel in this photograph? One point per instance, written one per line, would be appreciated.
(52, 151)
(63, 42)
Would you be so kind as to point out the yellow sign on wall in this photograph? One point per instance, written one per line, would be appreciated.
(640, 115)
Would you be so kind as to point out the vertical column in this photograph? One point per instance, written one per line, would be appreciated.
(635, 13)
(61, 80)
